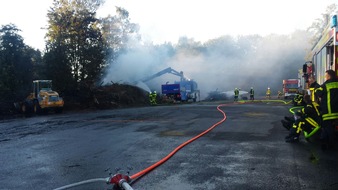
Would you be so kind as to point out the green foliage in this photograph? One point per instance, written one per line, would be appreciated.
(79, 47)
(75, 46)
(17, 61)
(320, 24)
(119, 34)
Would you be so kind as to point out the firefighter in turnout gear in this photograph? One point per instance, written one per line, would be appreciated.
(298, 99)
(328, 94)
(279, 94)
(252, 94)
(268, 93)
(312, 117)
(236, 91)
(295, 129)
(309, 120)
(313, 86)
(152, 98)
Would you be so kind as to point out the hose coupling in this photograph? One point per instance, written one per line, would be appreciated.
(118, 179)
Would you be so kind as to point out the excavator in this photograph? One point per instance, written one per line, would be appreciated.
(41, 99)
(183, 90)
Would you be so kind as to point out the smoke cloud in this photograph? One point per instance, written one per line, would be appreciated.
(220, 64)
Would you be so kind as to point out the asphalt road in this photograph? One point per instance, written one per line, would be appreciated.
(247, 151)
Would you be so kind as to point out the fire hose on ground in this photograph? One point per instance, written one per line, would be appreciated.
(123, 181)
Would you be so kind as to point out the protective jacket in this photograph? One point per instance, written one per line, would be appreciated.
(236, 92)
(298, 100)
(312, 89)
(252, 92)
(312, 118)
(312, 111)
(328, 92)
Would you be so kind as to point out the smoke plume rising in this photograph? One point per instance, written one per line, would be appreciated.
(224, 63)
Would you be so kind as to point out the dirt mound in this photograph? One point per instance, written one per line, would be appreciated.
(107, 97)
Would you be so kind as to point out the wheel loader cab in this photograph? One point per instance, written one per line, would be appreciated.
(41, 86)
(41, 99)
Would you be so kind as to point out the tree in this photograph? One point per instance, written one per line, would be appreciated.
(75, 47)
(189, 45)
(224, 46)
(119, 33)
(17, 62)
(319, 25)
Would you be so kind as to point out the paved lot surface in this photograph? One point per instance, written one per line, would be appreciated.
(247, 151)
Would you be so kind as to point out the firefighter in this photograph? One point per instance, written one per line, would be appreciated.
(312, 117)
(268, 93)
(155, 98)
(279, 94)
(298, 99)
(295, 129)
(152, 98)
(328, 94)
(309, 123)
(313, 86)
(252, 94)
(236, 91)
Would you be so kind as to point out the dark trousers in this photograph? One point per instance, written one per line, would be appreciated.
(328, 132)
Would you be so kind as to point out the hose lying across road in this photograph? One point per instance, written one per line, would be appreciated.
(120, 179)
(141, 173)
(150, 168)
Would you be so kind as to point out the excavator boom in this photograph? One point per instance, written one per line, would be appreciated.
(165, 71)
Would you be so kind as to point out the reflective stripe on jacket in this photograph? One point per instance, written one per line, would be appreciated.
(328, 92)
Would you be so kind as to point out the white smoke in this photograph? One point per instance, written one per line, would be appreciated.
(224, 63)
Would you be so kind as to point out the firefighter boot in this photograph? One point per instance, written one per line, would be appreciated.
(292, 139)
(289, 119)
(286, 124)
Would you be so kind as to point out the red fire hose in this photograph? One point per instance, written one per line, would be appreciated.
(122, 180)
(150, 168)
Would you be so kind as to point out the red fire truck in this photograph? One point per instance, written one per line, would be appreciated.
(324, 56)
(290, 87)
(325, 52)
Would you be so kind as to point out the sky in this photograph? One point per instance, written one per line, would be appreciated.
(165, 21)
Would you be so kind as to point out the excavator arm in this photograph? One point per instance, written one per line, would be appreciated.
(165, 71)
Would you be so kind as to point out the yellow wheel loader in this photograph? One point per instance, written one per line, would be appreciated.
(41, 99)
